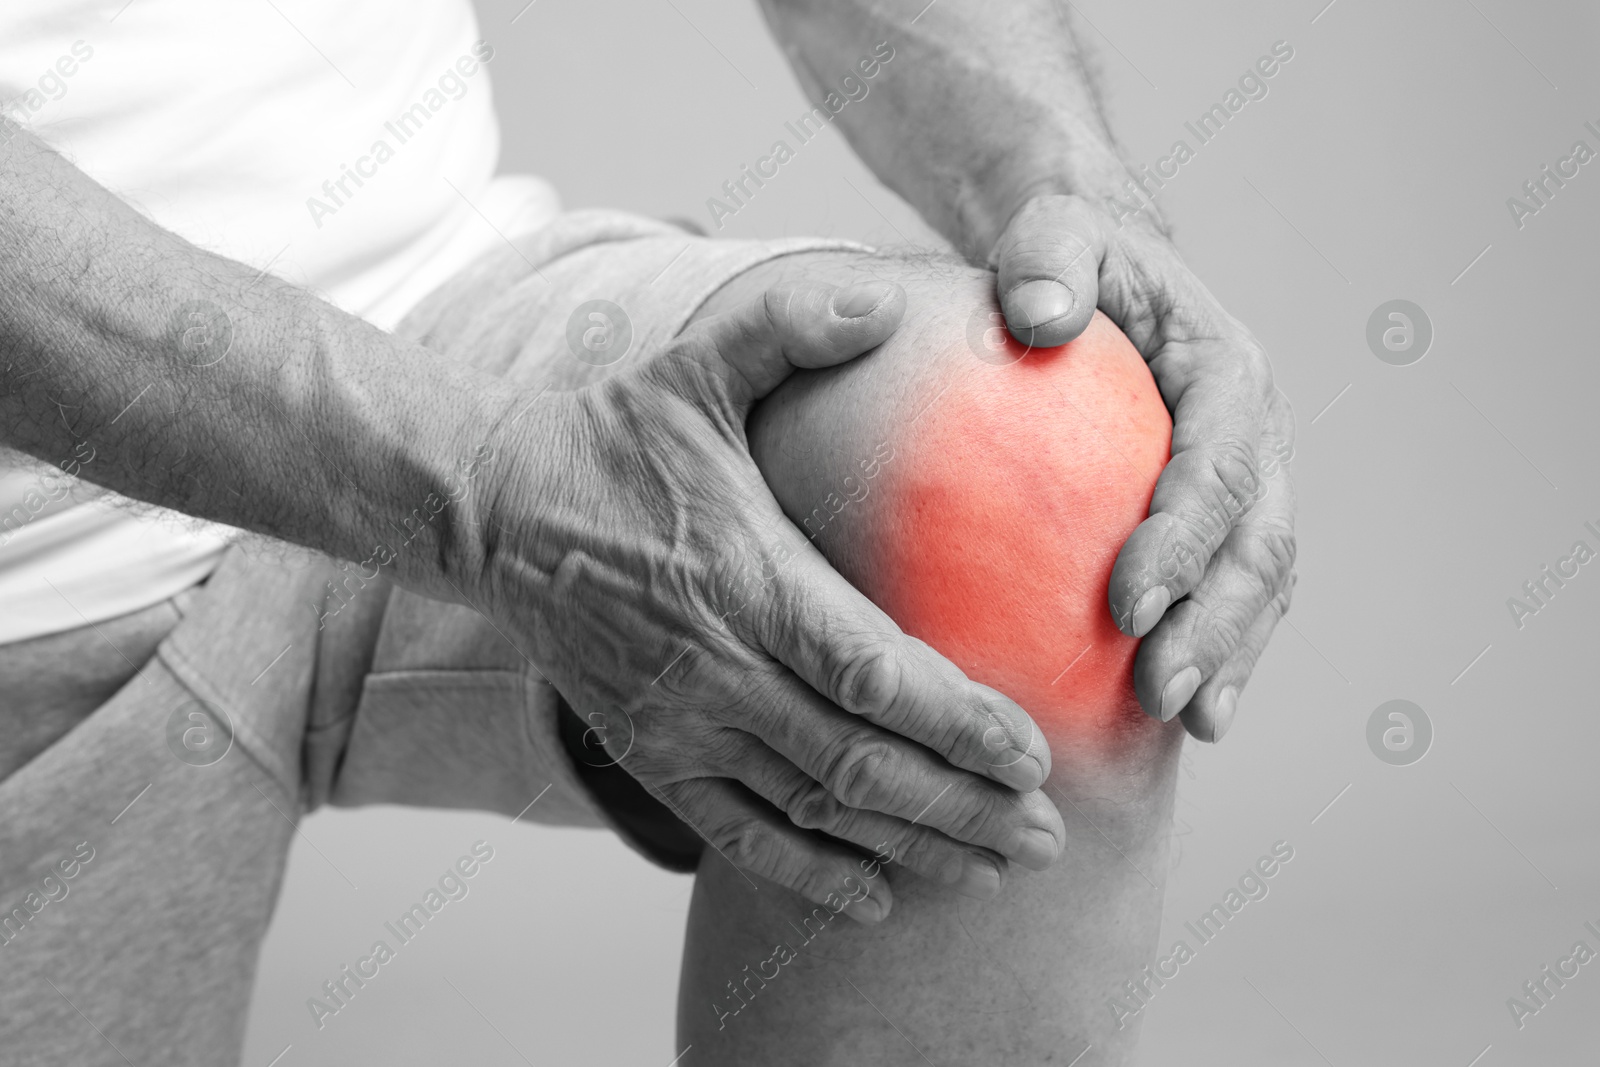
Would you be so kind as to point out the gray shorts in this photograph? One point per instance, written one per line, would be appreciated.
(293, 681)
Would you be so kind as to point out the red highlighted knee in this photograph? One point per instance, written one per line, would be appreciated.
(1011, 495)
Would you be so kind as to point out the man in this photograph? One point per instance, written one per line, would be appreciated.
(111, 326)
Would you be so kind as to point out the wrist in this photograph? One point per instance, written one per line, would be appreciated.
(423, 445)
(1082, 165)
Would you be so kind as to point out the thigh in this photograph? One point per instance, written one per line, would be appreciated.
(589, 295)
(141, 852)
(53, 683)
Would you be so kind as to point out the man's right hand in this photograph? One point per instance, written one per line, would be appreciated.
(720, 658)
(620, 518)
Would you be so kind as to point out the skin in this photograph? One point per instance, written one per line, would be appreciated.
(991, 533)
(994, 540)
(998, 964)
(530, 507)
(319, 429)
(988, 122)
(982, 959)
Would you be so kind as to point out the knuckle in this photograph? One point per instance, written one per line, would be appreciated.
(989, 732)
(1270, 550)
(1285, 596)
(867, 681)
(775, 311)
(1225, 482)
(1234, 466)
(692, 679)
(747, 843)
(974, 820)
(1219, 636)
(1205, 630)
(916, 850)
(815, 877)
(973, 741)
(1185, 545)
(855, 775)
(816, 809)
(1257, 366)
(1090, 220)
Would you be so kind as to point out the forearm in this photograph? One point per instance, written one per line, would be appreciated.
(217, 390)
(982, 107)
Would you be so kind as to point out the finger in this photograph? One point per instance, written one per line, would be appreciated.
(754, 836)
(1201, 632)
(861, 766)
(1048, 260)
(810, 805)
(744, 354)
(846, 648)
(1223, 391)
(1211, 712)
(866, 768)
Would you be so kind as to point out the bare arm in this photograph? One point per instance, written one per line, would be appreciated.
(216, 390)
(313, 426)
(988, 122)
(982, 107)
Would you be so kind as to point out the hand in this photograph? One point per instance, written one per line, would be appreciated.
(736, 675)
(1206, 577)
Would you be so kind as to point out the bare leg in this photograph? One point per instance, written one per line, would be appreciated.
(1029, 977)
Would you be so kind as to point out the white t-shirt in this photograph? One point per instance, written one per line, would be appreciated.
(348, 147)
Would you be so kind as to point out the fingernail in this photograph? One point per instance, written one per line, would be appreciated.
(1227, 704)
(1033, 848)
(1021, 768)
(1179, 691)
(868, 910)
(1148, 611)
(972, 876)
(1032, 304)
(859, 301)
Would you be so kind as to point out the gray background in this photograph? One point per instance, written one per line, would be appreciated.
(1377, 168)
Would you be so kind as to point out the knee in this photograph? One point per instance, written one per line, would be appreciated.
(979, 493)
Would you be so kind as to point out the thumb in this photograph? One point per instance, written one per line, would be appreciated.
(1049, 263)
(748, 351)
